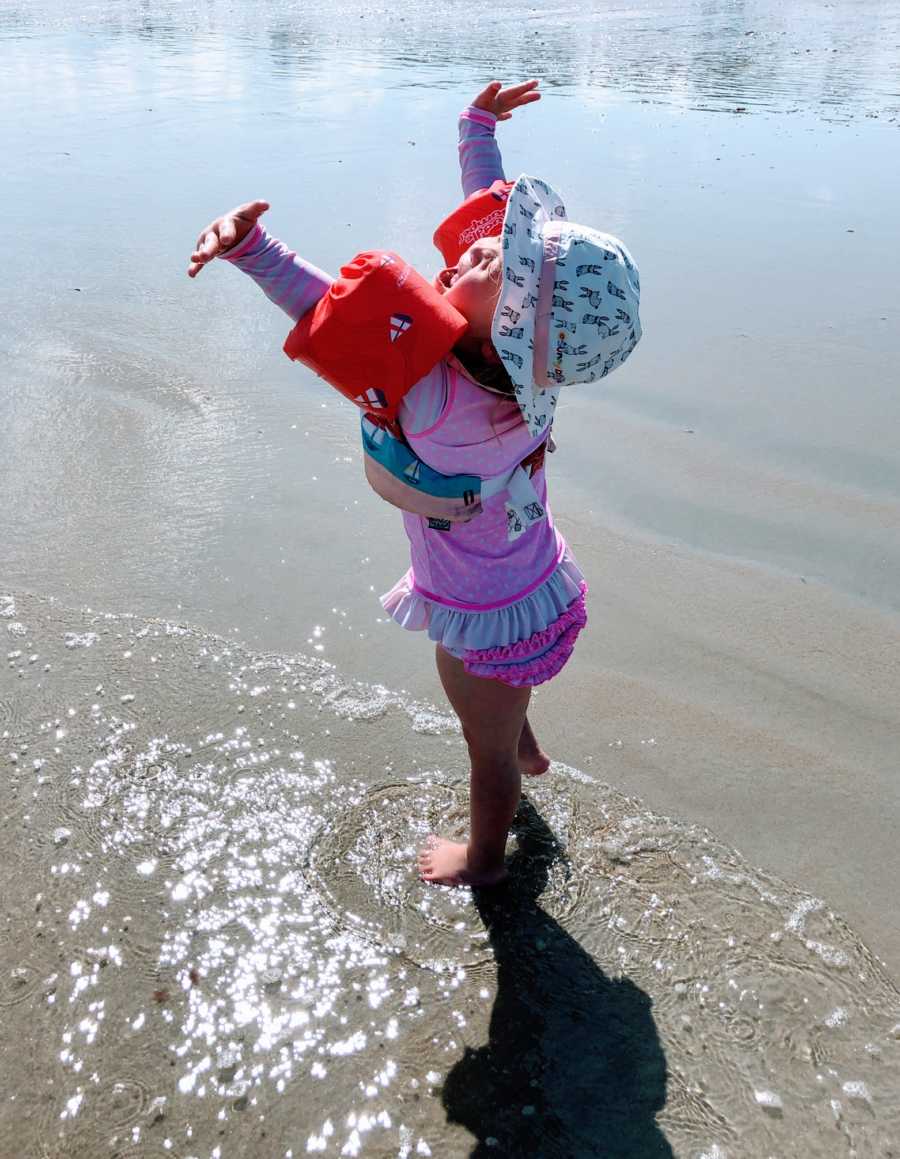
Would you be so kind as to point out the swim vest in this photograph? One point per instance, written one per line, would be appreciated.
(379, 329)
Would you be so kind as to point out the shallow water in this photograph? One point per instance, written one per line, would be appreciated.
(747, 152)
(219, 946)
(215, 944)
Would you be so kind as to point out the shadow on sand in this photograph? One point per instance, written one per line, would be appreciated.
(573, 1066)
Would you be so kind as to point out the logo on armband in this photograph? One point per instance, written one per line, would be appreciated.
(400, 323)
(372, 398)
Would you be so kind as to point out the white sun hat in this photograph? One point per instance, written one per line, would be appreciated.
(568, 306)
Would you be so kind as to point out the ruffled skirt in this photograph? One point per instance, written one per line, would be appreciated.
(522, 644)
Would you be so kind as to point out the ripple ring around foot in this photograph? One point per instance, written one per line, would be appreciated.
(363, 868)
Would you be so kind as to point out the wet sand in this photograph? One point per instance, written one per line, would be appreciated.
(215, 943)
(217, 774)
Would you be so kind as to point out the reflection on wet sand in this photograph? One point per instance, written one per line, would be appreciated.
(215, 941)
(573, 1066)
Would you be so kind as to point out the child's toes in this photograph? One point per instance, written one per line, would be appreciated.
(425, 856)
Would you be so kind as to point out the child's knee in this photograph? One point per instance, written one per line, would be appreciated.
(484, 751)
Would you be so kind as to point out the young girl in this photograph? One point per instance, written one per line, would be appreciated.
(459, 380)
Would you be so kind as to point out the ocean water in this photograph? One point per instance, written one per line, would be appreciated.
(219, 759)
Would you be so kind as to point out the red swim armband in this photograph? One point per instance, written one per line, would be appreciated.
(379, 329)
(480, 215)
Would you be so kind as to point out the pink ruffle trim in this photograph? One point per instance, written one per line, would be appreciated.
(495, 663)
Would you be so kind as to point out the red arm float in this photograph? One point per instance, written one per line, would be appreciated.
(480, 215)
(379, 329)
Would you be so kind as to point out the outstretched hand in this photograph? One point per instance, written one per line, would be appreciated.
(501, 102)
(224, 232)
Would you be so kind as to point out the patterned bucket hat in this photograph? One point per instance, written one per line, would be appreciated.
(568, 305)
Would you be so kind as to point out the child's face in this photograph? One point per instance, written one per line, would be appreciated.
(472, 286)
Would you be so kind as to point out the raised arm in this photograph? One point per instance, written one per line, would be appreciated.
(291, 283)
(480, 164)
(479, 156)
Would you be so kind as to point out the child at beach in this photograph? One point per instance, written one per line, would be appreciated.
(457, 381)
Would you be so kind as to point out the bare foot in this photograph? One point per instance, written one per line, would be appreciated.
(443, 862)
(533, 761)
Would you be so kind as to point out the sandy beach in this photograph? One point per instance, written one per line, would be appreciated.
(220, 756)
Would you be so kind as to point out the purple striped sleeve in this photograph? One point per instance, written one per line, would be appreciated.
(424, 403)
(290, 282)
(479, 155)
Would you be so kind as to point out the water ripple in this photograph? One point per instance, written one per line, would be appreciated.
(215, 930)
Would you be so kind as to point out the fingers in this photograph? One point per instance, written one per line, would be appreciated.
(500, 101)
(227, 233)
(250, 210)
(485, 99)
(207, 248)
(210, 245)
(526, 99)
(222, 233)
(517, 95)
(515, 91)
(208, 241)
(199, 259)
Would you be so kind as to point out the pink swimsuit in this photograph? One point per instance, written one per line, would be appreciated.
(509, 608)
(503, 595)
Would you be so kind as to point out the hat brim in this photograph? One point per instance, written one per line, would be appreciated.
(532, 205)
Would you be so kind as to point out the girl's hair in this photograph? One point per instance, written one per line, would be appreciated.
(491, 375)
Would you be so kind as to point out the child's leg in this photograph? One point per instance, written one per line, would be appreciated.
(492, 715)
(532, 759)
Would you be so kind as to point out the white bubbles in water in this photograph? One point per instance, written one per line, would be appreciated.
(430, 721)
(81, 639)
(857, 1092)
(359, 701)
(237, 891)
(770, 1102)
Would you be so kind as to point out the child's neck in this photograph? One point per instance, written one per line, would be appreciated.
(482, 363)
(474, 351)
(468, 351)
